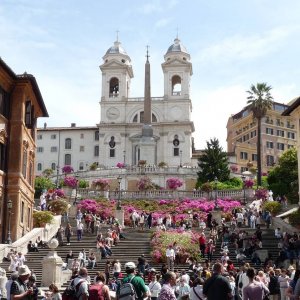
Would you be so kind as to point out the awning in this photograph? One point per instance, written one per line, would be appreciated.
(288, 212)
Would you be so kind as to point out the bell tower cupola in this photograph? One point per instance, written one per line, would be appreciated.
(177, 70)
(116, 74)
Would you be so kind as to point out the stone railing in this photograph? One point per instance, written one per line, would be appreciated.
(45, 234)
(158, 194)
(284, 227)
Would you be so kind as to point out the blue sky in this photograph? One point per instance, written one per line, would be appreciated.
(232, 44)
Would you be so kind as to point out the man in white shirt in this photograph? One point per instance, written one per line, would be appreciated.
(80, 227)
(21, 259)
(82, 258)
(170, 254)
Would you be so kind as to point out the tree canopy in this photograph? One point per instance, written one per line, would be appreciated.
(213, 163)
(283, 179)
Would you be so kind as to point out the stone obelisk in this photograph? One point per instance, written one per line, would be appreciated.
(147, 142)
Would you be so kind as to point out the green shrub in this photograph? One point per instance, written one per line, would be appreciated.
(42, 183)
(294, 218)
(83, 184)
(58, 207)
(273, 207)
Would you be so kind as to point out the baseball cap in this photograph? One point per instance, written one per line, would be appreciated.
(130, 265)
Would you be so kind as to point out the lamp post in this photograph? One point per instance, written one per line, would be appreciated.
(124, 157)
(180, 152)
(9, 207)
(57, 175)
(216, 192)
(119, 194)
(244, 195)
(76, 189)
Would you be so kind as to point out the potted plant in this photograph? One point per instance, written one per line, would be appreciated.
(67, 169)
(70, 181)
(58, 206)
(174, 183)
(162, 164)
(101, 184)
(142, 163)
(41, 218)
(273, 207)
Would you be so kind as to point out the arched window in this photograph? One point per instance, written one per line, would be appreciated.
(39, 167)
(68, 160)
(53, 166)
(139, 118)
(176, 85)
(68, 143)
(114, 87)
(176, 145)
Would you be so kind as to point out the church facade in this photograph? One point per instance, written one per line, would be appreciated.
(122, 116)
(118, 138)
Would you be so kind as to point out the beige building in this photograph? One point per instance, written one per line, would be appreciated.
(278, 134)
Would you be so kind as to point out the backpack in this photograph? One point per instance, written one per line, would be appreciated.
(95, 292)
(127, 291)
(70, 291)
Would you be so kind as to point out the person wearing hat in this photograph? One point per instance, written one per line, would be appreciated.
(19, 289)
(136, 281)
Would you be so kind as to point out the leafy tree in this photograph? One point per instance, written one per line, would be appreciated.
(42, 183)
(260, 101)
(283, 179)
(213, 163)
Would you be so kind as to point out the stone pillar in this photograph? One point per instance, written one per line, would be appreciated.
(120, 216)
(52, 266)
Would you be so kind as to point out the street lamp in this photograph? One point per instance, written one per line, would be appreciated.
(76, 189)
(9, 207)
(57, 174)
(244, 195)
(124, 157)
(180, 158)
(216, 192)
(119, 194)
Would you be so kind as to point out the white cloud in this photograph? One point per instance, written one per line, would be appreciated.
(162, 22)
(245, 47)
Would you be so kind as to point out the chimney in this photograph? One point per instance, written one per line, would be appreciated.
(73, 124)
(45, 125)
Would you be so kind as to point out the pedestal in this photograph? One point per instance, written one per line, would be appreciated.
(52, 270)
(217, 215)
(120, 216)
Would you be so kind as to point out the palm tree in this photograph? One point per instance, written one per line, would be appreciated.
(260, 101)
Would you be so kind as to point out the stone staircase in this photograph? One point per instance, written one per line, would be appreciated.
(135, 244)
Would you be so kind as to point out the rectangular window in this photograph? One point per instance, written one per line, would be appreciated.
(112, 152)
(243, 155)
(269, 131)
(4, 103)
(39, 136)
(40, 149)
(280, 146)
(24, 167)
(254, 157)
(246, 137)
(39, 167)
(291, 135)
(96, 151)
(28, 114)
(97, 135)
(243, 169)
(81, 135)
(280, 133)
(253, 134)
(28, 217)
(30, 175)
(176, 151)
(2, 156)
(270, 145)
(270, 160)
(22, 211)
(53, 136)
(68, 161)
(81, 149)
(53, 149)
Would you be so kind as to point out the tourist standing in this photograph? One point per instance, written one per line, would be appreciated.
(170, 254)
(68, 233)
(255, 289)
(82, 292)
(154, 287)
(196, 292)
(99, 290)
(167, 291)
(79, 230)
(217, 287)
